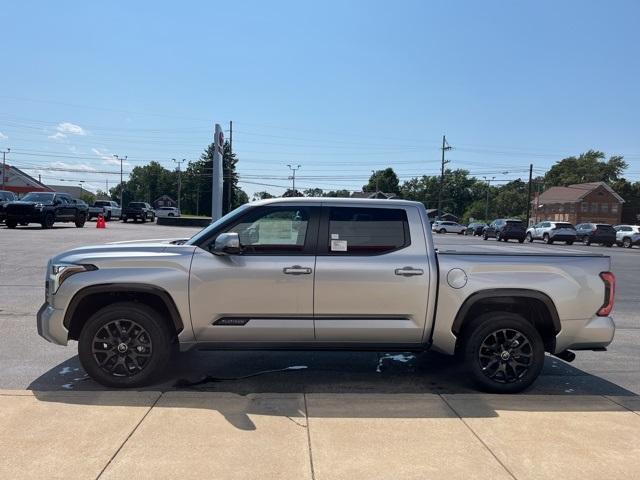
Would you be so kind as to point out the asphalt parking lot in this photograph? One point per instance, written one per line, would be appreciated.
(29, 362)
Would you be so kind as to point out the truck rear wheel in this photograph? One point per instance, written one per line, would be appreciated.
(503, 352)
(80, 220)
(11, 223)
(48, 220)
(125, 345)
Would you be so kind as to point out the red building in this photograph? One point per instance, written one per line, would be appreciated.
(18, 182)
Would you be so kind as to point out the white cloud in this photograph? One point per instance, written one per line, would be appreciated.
(70, 128)
(57, 136)
(3, 136)
(73, 166)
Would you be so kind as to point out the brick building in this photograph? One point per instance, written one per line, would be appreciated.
(580, 203)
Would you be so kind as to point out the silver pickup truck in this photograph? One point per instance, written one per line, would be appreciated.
(329, 274)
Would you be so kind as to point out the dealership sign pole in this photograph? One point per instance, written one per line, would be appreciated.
(216, 177)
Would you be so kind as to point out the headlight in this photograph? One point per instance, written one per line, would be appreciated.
(38, 206)
(59, 272)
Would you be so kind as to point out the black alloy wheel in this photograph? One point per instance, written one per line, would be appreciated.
(122, 348)
(626, 243)
(504, 353)
(48, 220)
(125, 344)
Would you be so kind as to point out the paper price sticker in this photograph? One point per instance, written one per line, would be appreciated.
(338, 245)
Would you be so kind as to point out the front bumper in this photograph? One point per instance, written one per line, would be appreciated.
(31, 217)
(51, 325)
(596, 332)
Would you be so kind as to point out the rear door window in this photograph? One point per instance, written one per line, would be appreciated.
(366, 231)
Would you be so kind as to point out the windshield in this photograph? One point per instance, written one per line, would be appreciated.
(205, 231)
(102, 204)
(38, 197)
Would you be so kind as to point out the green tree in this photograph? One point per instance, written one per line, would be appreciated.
(337, 194)
(383, 181)
(313, 192)
(291, 193)
(262, 195)
(148, 182)
(587, 167)
(511, 200)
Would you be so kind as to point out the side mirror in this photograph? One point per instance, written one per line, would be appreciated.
(227, 244)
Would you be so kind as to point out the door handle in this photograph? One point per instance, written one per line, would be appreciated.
(408, 271)
(296, 270)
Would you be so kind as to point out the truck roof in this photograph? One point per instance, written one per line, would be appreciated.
(336, 200)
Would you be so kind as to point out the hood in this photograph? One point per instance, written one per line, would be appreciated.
(164, 241)
(124, 255)
(21, 202)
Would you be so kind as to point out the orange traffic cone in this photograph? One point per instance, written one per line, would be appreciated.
(100, 223)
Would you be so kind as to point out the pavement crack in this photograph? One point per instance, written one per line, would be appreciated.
(478, 437)
(129, 436)
(620, 404)
(306, 414)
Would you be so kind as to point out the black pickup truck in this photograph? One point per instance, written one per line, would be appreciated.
(5, 197)
(45, 208)
(138, 211)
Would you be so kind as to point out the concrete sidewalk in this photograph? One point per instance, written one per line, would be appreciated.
(186, 434)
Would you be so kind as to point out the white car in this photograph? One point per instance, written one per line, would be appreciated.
(167, 212)
(442, 226)
(627, 235)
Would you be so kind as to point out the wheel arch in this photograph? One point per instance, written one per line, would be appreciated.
(535, 306)
(90, 299)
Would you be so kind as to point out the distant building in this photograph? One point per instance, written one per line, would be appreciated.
(18, 182)
(74, 191)
(376, 195)
(432, 213)
(579, 203)
(164, 201)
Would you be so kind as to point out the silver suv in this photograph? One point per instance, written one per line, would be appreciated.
(550, 232)
(627, 235)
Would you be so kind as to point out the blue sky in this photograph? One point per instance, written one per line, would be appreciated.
(340, 88)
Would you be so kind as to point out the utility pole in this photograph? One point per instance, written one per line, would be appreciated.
(4, 165)
(179, 162)
(486, 205)
(373, 172)
(293, 177)
(231, 135)
(529, 195)
(445, 147)
(121, 184)
(81, 192)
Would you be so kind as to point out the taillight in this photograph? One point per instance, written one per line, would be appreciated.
(609, 280)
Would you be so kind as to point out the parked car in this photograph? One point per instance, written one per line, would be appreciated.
(475, 229)
(46, 208)
(505, 229)
(318, 273)
(601, 233)
(107, 208)
(138, 211)
(549, 232)
(167, 212)
(627, 235)
(443, 226)
(5, 196)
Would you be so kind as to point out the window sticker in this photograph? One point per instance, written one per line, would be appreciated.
(335, 236)
(338, 245)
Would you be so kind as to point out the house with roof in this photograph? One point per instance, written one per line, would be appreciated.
(579, 203)
(15, 180)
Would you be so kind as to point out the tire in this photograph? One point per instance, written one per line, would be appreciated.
(143, 219)
(48, 220)
(569, 242)
(124, 219)
(485, 236)
(151, 336)
(498, 237)
(521, 240)
(135, 219)
(522, 364)
(80, 220)
(108, 217)
(586, 241)
(626, 242)
(529, 238)
(608, 245)
(24, 224)
(11, 223)
(442, 230)
(547, 239)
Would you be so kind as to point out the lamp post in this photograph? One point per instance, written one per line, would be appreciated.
(486, 205)
(4, 166)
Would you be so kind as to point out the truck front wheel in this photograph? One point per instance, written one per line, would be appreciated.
(503, 352)
(125, 345)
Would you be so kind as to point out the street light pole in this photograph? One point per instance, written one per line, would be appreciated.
(293, 177)
(4, 165)
(121, 184)
(179, 162)
(486, 205)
